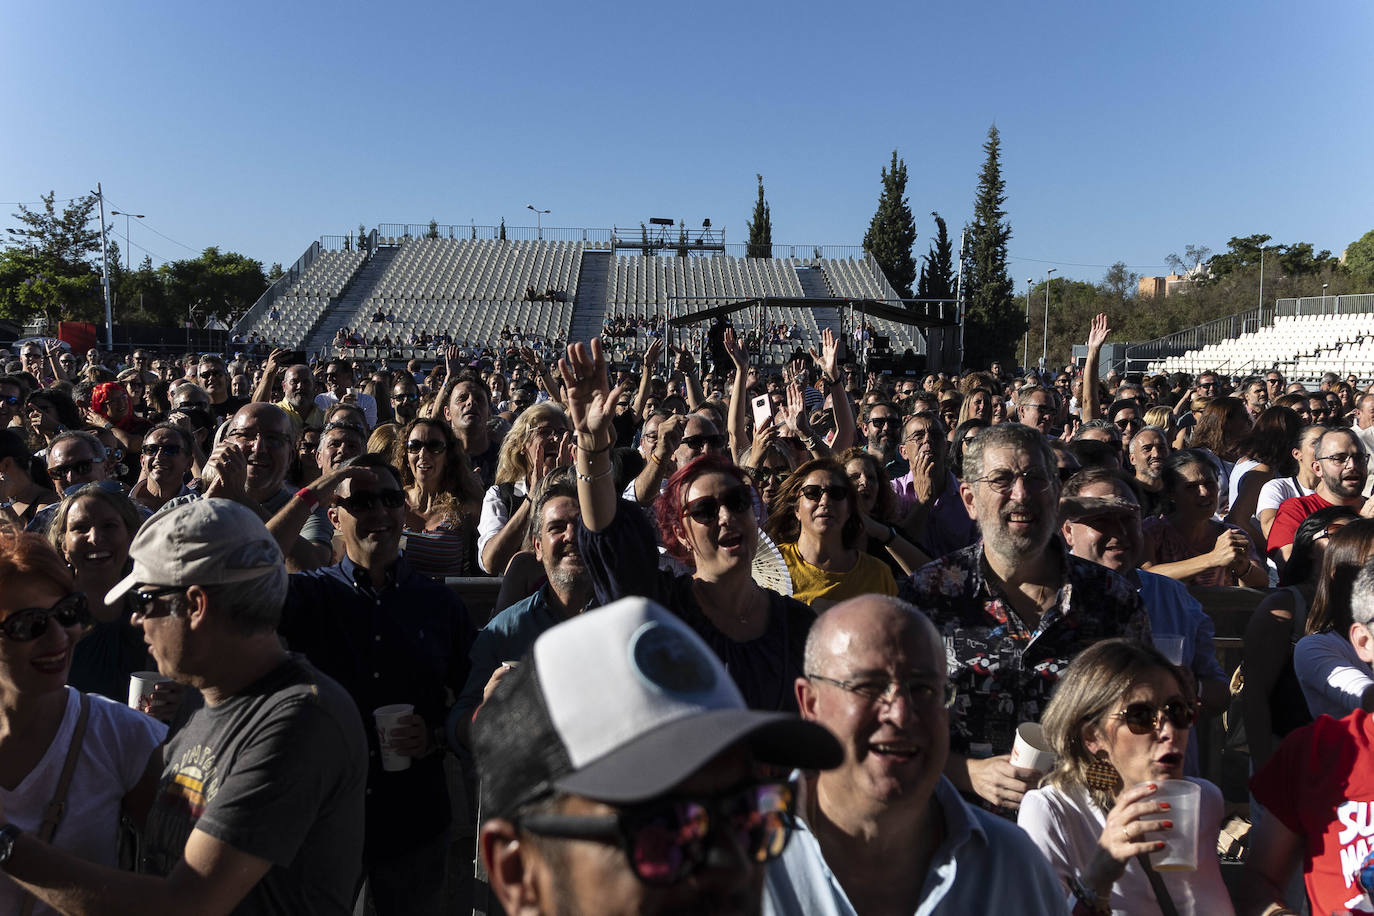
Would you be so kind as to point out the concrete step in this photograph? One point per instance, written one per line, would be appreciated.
(347, 310)
(589, 307)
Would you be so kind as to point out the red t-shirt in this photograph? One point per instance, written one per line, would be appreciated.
(1320, 785)
(1289, 516)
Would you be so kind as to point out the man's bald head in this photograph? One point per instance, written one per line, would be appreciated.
(841, 627)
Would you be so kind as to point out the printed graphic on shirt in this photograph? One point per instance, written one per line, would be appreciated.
(186, 788)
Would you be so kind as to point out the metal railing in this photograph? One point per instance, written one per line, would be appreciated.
(275, 291)
(1355, 304)
(1214, 331)
(401, 231)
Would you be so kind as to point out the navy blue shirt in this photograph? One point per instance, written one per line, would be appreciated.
(405, 642)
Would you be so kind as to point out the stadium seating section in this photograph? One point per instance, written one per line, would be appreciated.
(1301, 346)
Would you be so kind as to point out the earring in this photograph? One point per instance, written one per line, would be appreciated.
(1102, 775)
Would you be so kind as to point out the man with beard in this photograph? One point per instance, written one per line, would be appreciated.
(509, 635)
(621, 773)
(297, 388)
(1148, 452)
(388, 635)
(467, 409)
(166, 457)
(1101, 523)
(405, 399)
(882, 427)
(1342, 467)
(339, 376)
(989, 599)
(933, 513)
(886, 831)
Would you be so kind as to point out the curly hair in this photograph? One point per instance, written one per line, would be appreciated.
(513, 465)
(784, 525)
(668, 505)
(460, 487)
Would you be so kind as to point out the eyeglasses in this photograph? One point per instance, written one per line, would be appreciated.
(71, 469)
(144, 596)
(1129, 424)
(1036, 480)
(815, 491)
(359, 503)
(405, 398)
(1207, 384)
(1143, 718)
(705, 510)
(433, 446)
(700, 442)
(30, 623)
(550, 432)
(883, 421)
(170, 449)
(668, 839)
(10, 400)
(765, 476)
(918, 689)
(245, 437)
(1358, 459)
(210, 373)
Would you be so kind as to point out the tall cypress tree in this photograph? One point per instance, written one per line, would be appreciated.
(937, 268)
(992, 323)
(892, 231)
(760, 228)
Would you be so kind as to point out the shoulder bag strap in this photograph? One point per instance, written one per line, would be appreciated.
(58, 806)
(1166, 903)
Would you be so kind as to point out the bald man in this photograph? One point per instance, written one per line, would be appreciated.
(887, 832)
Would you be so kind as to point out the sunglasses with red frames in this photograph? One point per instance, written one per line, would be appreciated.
(704, 510)
(668, 839)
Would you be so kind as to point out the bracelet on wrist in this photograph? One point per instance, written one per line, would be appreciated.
(596, 451)
(589, 478)
(1088, 898)
(307, 496)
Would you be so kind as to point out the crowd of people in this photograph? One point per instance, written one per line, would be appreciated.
(764, 641)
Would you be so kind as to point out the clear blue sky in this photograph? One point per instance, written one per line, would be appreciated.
(1129, 130)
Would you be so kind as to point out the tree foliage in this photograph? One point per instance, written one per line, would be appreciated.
(937, 267)
(1359, 262)
(993, 325)
(49, 268)
(892, 231)
(760, 227)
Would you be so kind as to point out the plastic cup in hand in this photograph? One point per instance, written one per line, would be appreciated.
(388, 718)
(1180, 842)
(141, 684)
(1170, 646)
(1030, 750)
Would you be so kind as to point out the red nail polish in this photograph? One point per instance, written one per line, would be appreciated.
(1166, 824)
(1163, 806)
(1160, 845)
(1152, 787)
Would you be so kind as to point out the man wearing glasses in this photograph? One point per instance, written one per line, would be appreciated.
(1342, 468)
(214, 378)
(990, 598)
(12, 397)
(889, 832)
(620, 773)
(256, 800)
(933, 513)
(388, 635)
(882, 428)
(74, 458)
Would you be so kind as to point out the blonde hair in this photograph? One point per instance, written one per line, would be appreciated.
(513, 465)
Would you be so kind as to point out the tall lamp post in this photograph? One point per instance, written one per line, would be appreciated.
(126, 216)
(1025, 338)
(1045, 331)
(538, 219)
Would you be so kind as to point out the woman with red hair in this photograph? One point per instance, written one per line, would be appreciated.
(706, 521)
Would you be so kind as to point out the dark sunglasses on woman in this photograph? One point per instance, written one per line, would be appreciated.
(1143, 718)
(706, 509)
(30, 623)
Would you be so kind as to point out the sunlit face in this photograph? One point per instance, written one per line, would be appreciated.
(337, 446)
(884, 432)
(96, 539)
(168, 462)
(1148, 451)
(1143, 758)
(727, 540)
(1038, 411)
(544, 440)
(265, 434)
(824, 516)
(1020, 521)
(426, 451)
(1342, 464)
(1111, 539)
(40, 665)
(556, 546)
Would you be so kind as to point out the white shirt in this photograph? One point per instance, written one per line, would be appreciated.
(114, 754)
(1276, 491)
(366, 402)
(494, 518)
(1333, 677)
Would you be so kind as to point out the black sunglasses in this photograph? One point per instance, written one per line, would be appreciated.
(814, 492)
(64, 471)
(884, 421)
(668, 839)
(170, 449)
(706, 509)
(767, 475)
(433, 446)
(697, 443)
(30, 623)
(1143, 718)
(145, 595)
(404, 398)
(368, 501)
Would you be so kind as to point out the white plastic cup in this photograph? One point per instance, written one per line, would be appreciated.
(387, 718)
(1170, 646)
(1030, 750)
(1180, 842)
(141, 684)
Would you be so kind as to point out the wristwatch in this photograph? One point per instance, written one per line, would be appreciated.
(8, 834)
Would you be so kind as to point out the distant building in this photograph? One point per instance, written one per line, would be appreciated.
(1174, 284)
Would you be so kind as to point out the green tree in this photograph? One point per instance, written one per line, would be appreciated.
(993, 326)
(275, 272)
(50, 268)
(760, 227)
(433, 231)
(937, 267)
(1120, 284)
(221, 283)
(892, 231)
(1359, 262)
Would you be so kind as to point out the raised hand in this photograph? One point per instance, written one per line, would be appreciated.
(1097, 333)
(451, 361)
(829, 357)
(591, 400)
(735, 350)
(796, 410)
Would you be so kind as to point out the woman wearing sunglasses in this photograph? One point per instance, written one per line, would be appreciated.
(1119, 724)
(443, 493)
(538, 442)
(45, 724)
(816, 523)
(706, 522)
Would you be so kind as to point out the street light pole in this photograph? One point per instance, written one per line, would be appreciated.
(126, 216)
(1045, 331)
(105, 265)
(1025, 338)
(538, 219)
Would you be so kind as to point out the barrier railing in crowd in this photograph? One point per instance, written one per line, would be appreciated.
(274, 292)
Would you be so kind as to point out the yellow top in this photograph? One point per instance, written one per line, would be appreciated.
(821, 588)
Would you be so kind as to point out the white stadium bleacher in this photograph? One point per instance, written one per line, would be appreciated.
(306, 300)
(1302, 346)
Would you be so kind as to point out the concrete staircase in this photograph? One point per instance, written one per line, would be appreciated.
(346, 311)
(813, 283)
(589, 306)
